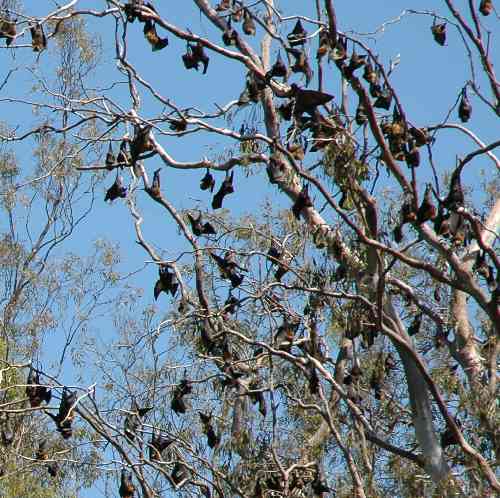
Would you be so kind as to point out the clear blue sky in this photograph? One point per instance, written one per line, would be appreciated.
(428, 80)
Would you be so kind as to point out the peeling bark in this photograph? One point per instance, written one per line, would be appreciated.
(464, 348)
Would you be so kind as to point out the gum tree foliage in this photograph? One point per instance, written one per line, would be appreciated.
(337, 336)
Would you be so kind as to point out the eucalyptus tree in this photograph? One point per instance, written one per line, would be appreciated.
(321, 219)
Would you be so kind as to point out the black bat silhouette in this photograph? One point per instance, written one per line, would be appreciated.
(167, 282)
(225, 189)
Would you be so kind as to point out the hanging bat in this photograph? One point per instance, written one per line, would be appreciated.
(274, 483)
(323, 131)
(41, 453)
(231, 305)
(152, 37)
(361, 117)
(339, 51)
(154, 190)
(65, 415)
(207, 182)
(200, 56)
(248, 23)
(486, 7)
(280, 272)
(200, 228)
(302, 202)
(38, 39)
(157, 445)
(285, 335)
(464, 108)
(376, 383)
(262, 404)
(167, 282)
(234, 372)
(208, 228)
(278, 69)
(384, 98)
(312, 379)
(298, 35)
(123, 157)
(226, 188)
(235, 279)
(141, 142)
(442, 223)
(178, 125)
(285, 111)
(34, 391)
(237, 14)
(448, 437)
(130, 426)
(455, 198)
(421, 136)
(297, 151)
(116, 190)
(227, 353)
(189, 60)
(212, 438)
(323, 44)
(301, 64)
(230, 36)
(227, 268)
(427, 211)
(369, 73)
(275, 255)
(481, 266)
(110, 161)
(133, 419)
(179, 474)
(355, 62)
(196, 226)
(177, 403)
(376, 92)
(252, 90)
(131, 10)
(439, 33)
(127, 488)
(53, 469)
(275, 168)
(412, 155)
(407, 214)
(414, 327)
(257, 396)
(308, 100)
(8, 30)
(206, 340)
(460, 229)
(389, 363)
(230, 260)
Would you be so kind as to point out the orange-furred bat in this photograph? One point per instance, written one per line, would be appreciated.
(152, 37)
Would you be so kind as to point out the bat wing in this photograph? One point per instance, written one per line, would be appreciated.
(217, 200)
